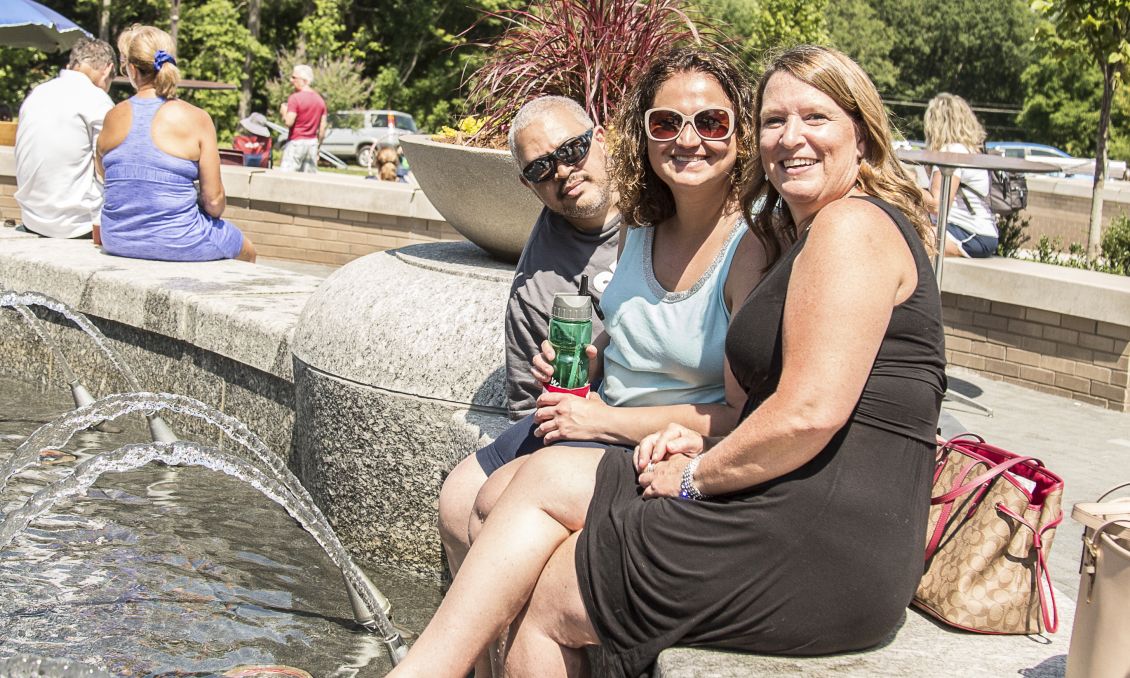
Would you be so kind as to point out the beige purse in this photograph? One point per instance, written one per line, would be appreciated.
(1100, 637)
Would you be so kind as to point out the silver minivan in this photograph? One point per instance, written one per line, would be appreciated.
(355, 134)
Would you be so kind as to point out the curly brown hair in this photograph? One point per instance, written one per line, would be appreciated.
(644, 198)
(880, 173)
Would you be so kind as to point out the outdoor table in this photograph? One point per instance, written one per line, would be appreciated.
(947, 163)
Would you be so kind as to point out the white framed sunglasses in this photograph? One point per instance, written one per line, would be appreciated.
(715, 123)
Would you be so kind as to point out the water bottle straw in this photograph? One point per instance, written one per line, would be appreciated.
(578, 348)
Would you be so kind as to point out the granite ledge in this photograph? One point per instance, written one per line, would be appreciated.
(237, 310)
(1060, 289)
(919, 648)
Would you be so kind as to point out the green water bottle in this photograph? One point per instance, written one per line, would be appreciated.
(570, 331)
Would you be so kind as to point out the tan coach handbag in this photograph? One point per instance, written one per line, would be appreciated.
(1100, 637)
(992, 519)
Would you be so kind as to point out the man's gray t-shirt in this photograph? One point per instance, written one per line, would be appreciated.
(553, 260)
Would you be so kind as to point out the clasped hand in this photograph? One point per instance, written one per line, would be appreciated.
(561, 416)
(668, 452)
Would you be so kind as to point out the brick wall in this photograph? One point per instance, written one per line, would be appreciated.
(311, 234)
(1055, 353)
(1067, 215)
(8, 207)
(326, 235)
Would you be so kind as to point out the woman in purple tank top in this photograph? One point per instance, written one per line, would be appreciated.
(152, 151)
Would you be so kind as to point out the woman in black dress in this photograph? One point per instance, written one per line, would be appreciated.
(803, 531)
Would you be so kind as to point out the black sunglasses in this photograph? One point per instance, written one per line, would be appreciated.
(571, 152)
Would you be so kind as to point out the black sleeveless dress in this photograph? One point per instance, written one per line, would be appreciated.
(824, 559)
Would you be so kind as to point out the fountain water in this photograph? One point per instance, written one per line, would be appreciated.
(21, 300)
(193, 454)
(370, 607)
(169, 570)
(25, 666)
(264, 470)
(78, 391)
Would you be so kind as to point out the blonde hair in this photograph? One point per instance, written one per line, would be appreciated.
(387, 154)
(138, 45)
(950, 120)
(387, 172)
(881, 175)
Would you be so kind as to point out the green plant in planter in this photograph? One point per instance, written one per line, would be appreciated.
(1011, 234)
(588, 50)
(1048, 249)
(1116, 245)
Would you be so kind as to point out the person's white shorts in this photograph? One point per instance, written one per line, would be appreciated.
(300, 155)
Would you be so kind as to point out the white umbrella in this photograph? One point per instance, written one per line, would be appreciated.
(26, 23)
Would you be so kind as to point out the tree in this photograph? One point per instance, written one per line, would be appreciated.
(1063, 97)
(972, 48)
(22, 69)
(855, 29)
(418, 61)
(213, 44)
(763, 25)
(254, 8)
(1102, 28)
(320, 31)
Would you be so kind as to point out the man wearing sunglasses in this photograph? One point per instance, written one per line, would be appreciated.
(561, 157)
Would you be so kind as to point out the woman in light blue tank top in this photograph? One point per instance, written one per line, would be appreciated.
(665, 347)
(152, 208)
(684, 152)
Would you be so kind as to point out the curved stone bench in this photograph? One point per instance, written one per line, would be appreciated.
(396, 375)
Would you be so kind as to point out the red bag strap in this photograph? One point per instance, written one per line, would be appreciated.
(983, 478)
(1043, 576)
(947, 509)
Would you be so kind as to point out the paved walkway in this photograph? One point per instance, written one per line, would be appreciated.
(1089, 447)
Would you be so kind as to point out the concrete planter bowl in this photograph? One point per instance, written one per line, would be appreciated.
(477, 191)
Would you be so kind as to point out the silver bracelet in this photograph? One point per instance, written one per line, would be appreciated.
(687, 490)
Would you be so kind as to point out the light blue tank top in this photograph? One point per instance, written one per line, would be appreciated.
(151, 209)
(665, 347)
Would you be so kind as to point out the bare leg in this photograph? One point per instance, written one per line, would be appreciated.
(247, 251)
(952, 248)
(489, 495)
(543, 506)
(456, 499)
(491, 664)
(547, 639)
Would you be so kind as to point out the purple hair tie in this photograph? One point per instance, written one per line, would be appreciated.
(161, 58)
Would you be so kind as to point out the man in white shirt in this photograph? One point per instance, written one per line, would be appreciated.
(59, 193)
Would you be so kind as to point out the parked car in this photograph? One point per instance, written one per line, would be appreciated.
(354, 134)
(1116, 169)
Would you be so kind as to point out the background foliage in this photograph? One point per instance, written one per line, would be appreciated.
(413, 55)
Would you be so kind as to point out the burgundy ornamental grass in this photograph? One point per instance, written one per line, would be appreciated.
(587, 50)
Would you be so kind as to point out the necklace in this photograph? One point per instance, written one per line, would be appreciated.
(807, 225)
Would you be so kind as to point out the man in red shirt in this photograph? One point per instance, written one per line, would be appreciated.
(305, 115)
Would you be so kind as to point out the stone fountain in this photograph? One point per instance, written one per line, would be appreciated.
(376, 380)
